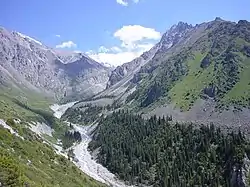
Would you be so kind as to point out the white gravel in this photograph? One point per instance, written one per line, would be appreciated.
(83, 156)
(90, 166)
(3, 123)
(41, 128)
(59, 110)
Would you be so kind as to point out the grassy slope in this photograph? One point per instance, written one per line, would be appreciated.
(46, 168)
(240, 94)
(9, 108)
(187, 90)
(29, 106)
(226, 77)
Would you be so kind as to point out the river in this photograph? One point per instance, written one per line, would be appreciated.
(83, 158)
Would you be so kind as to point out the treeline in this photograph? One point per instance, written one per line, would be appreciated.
(159, 153)
(87, 114)
(83, 115)
(70, 138)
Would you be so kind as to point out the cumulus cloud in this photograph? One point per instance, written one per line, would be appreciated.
(103, 49)
(115, 49)
(125, 2)
(134, 40)
(131, 34)
(58, 35)
(122, 2)
(68, 44)
(114, 59)
(78, 51)
(145, 47)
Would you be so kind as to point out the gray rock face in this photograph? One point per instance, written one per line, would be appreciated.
(173, 35)
(130, 68)
(26, 62)
(124, 78)
(170, 38)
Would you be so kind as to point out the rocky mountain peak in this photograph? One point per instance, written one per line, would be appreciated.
(243, 22)
(174, 34)
(26, 62)
(218, 19)
(181, 26)
(169, 39)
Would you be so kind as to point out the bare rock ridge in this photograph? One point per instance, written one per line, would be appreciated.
(170, 38)
(195, 73)
(122, 76)
(27, 63)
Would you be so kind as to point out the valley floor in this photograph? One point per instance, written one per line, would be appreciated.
(83, 158)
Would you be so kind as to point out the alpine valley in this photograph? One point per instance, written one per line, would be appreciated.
(178, 115)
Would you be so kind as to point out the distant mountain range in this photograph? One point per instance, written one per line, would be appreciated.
(198, 71)
(25, 62)
(195, 73)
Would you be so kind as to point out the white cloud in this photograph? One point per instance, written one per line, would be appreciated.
(115, 59)
(78, 51)
(115, 49)
(125, 2)
(135, 40)
(103, 49)
(145, 47)
(58, 35)
(68, 44)
(122, 2)
(117, 56)
(131, 34)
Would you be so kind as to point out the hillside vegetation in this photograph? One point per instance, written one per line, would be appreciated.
(161, 153)
(31, 162)
(216, 65)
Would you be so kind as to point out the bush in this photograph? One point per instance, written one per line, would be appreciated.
(9, 172)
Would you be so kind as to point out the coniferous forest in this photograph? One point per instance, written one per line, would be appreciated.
(160, 153)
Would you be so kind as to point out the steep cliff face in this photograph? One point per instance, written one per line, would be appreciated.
(130, 68)
(124, 78)
(169, 39)
(25, 62)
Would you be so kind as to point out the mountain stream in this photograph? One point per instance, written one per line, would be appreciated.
(83, 158)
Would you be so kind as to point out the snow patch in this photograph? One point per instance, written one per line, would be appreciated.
(59, 110)
(29, 38)
(18, 121)
(2, 122)
(41, 128)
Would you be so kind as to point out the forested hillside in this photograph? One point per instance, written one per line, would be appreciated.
(161, 153)
(83, 115)
(212, 60)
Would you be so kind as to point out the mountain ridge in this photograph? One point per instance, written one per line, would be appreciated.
(194, 75)
(46, 69)
(181, 79)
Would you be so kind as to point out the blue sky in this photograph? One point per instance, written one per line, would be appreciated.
(115, 31)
